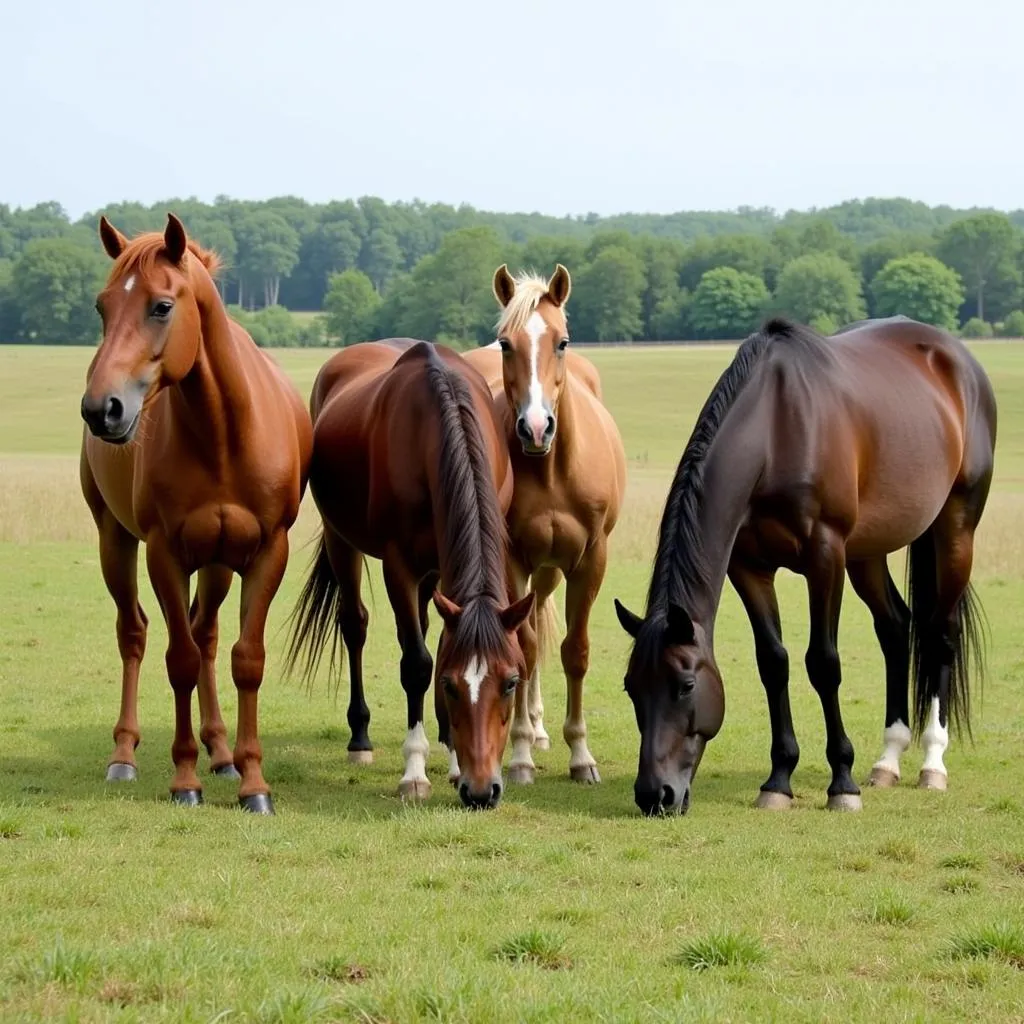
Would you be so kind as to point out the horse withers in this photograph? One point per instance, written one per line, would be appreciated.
(409, 466)
(197, 445)
(821, 456)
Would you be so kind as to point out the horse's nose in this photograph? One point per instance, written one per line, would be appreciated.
(649, 797)
(536, 429)
(105, 415)
(480, 799)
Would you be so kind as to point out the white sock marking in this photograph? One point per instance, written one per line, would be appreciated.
(415, 750)
(130, 283)
(935, 739)
(896, 739)
(476, 672)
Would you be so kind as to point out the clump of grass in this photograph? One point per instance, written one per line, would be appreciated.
(64, 830)
(721, 949)
(70, 968)
(295, 1007)
(891, 908)
(898, 851)
(569, 915)
(492, 849)
(960, 883)
(431, 883)
(1003, 941)
(330, 732)
(961, 861)
(339, 969)
(9, 828)
(855, 862)
(636, 853)
(182, 826)
(1005, 805)
(534, 947)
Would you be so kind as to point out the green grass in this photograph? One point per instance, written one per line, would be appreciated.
(350, 906)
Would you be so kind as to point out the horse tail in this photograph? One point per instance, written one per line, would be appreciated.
(547, 629)
(966, 638)
(316, 619)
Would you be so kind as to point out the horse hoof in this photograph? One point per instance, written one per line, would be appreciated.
(844, 802)
(414, 789)
(931, 779)
(523, 774)
(883, 778)
(226, 771)
(360, 757)
(542, 743)
(118, 771)
(769, 800)
(187, 797)
(585, 773)
(257, 803)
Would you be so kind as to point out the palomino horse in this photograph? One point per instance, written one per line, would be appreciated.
(199, 446)
(821, 456)
(409, 466)
(569, 468)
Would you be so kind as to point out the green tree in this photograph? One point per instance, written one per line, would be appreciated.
(1013, 325)
(9, 318)
(542, 253)
(381, 258)
(54, 284)
(607, 297)
(977, 328)
(983, 249)
(662, 298)
(819, 284)
(351, 305)
(920, 287)
(875, 256)
(727, 304)
(268, 249)
(750, 254)
(270, 327)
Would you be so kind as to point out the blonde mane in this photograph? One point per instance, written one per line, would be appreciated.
(530, 289)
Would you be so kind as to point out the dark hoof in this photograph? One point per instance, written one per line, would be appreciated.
(187, 797)
(227, 771)
(258, 803)
(121, 772)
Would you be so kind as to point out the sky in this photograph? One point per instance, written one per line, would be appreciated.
(561, 107)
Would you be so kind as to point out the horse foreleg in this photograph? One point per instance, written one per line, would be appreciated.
(875, 587)
(170, 581)
(581, 590)
(757, 592)
(119, 552)
(544, 583)
(415, 667)
(521, 768)
(214, 584)
(826, 571)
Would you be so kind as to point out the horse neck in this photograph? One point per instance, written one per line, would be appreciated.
(215, 389)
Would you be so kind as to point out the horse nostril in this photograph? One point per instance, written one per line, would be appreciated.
(550, 428)
(464, 793)
(522, 429)
(114, 411)
(668, 796)
(495, 793)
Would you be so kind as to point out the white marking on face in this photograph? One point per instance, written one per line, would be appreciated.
(130, 283)
(476, 672)
(535, 328)
(934, 739)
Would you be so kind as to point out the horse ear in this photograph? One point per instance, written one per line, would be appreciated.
(560, 286)
(113, 241)
(503, 285)
(680, 626)
(515, 614)
(175, 239)
(448, 610)
(627, 620)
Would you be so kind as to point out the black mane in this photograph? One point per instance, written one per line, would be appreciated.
(475, 536)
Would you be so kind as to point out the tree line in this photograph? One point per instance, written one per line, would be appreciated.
(376, 269)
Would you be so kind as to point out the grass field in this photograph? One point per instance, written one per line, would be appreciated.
(564, 904)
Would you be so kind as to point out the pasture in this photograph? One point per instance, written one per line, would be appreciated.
(563, 904)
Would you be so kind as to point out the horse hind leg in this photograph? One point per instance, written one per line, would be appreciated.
(119, 551)
(875, 587)
(214, 582)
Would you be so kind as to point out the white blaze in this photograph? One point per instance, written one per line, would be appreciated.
(535, 411)
(130, 283)
(476, 672)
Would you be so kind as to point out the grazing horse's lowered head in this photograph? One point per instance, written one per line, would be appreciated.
(151, 326)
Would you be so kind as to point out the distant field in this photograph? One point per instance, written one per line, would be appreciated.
(563, 904)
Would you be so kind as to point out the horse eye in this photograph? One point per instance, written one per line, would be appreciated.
(450, 688)
(563, 344)
(510, 686)
(162, 310)
(506, 345)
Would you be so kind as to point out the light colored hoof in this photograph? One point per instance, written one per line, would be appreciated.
(585, 773)
(845, 802)
(768, 800)
(883, 778)
(542, 742)
(360, 757)
(121, 772)
(523, 774)
(931, 779)
(414, 789)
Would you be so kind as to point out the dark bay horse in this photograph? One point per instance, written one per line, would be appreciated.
(199, 446)
(821, 456)
(569, 467)
(409, 466)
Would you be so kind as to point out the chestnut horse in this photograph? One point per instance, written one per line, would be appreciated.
(821, 456)
(199, 446)
(409, 466)
(569, 468)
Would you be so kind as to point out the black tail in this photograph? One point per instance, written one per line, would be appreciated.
(968, 654)
(316, 619)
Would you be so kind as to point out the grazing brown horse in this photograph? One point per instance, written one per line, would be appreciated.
(409, 466)
(569, 468)
(197, 445)
(821, 456)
